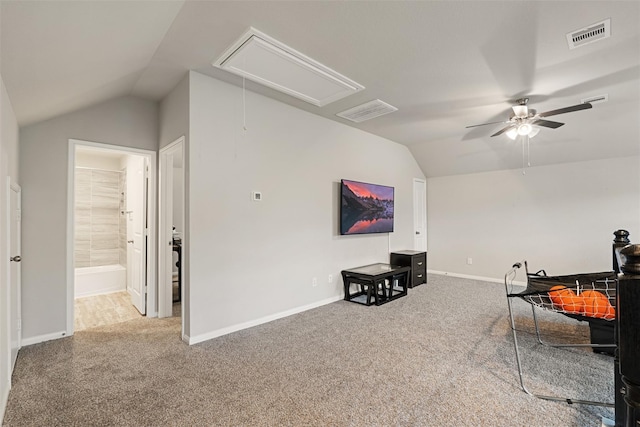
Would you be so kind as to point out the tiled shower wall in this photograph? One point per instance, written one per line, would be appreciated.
(122, 237)
(98, 216)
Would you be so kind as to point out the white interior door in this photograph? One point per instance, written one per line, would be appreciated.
(136, 231)
(420, 214)
(14, 271)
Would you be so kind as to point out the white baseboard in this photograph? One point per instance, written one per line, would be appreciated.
(235, 328)
(4, 397)
(42, 338)
(472, 277)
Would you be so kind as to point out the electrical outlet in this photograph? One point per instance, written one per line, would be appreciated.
(330, 278)
(469, 261)
(314, 282)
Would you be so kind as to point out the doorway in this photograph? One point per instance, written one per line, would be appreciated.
(171, 292)
(14, 270)
(111, 235)
(420, 214)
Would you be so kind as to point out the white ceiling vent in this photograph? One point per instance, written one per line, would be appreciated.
(267, 61)
(590, 34)
(366, 111)
(598, 99)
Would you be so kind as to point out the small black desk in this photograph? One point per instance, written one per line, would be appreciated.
(378, 283)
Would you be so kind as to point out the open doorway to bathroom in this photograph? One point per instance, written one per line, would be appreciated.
(111, 216)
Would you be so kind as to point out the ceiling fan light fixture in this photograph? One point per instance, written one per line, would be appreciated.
(512, 134)
(534, 132)
(524, 129)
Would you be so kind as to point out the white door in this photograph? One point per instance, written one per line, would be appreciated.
(14, 271)
(420, 214)
(136, 235)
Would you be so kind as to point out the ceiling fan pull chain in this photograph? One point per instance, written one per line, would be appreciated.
(528, 155)
(523, 171)
(244, 107)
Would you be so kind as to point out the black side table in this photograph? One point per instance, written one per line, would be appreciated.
(417, 260)
(375, 283)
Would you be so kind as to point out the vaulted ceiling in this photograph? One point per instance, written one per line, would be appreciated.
(444, 64)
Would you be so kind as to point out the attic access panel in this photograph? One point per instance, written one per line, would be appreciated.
(269, 62)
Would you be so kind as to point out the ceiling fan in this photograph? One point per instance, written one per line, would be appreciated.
(524, 119)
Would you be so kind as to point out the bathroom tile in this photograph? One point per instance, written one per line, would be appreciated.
(82, 242)
(100, 229)
(105, 190)
(103, 216)
(83, 174)
(83, 207)
(105, 227)
(102, 203)
(81, 259)
(122, 226)
(102, 192)
(104, 241)
(104, 257)
(82, 218)
(82, 198)
(108, 177)
(83, 190)
(82, 237)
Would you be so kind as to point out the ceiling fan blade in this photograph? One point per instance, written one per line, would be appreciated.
(503, 130)
(484, 124)
(577, 107)
(547, 124)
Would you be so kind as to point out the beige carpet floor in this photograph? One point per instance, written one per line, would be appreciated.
(442, 356)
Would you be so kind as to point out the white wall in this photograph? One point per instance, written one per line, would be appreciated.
(251, 261)
(174, 114)
(127, 121)
(174, 123)
(8, 168)
(560, 218)
(178, 190)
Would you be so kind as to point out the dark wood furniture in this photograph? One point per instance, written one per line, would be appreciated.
(375, 283)
(417, 260)
(628, 335)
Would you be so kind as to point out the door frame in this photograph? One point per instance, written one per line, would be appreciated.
(152, 283)
(165, 203)
(420, 221)
(17, 317)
